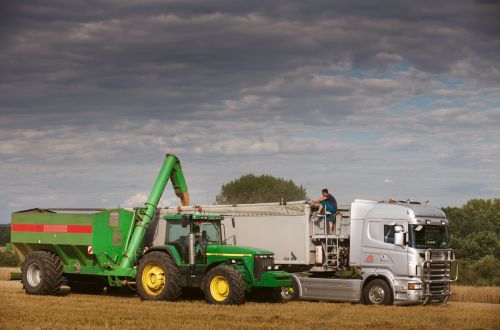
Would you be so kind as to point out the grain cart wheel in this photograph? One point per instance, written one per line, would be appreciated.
(223, 285)
(377, 292)
(158, 277)
(42, 273)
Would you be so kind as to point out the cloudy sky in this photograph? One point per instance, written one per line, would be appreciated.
(373, 99)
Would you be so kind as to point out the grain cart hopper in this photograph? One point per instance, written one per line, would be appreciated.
(88, 249)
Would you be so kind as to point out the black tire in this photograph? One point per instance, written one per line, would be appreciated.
(160, 283)
(377, 292)
(42, 273)
(91, 287)
(291, 293)
(235, 291)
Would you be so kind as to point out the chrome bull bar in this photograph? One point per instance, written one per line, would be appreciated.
(436, 275)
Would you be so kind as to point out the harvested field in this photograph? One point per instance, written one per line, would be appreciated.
(128, 312)
(5, 272)
(476, 294)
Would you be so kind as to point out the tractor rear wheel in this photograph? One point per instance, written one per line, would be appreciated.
(42, 273)
(158, 277)
(223, 285)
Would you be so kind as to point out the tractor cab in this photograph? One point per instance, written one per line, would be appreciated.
(191, 234)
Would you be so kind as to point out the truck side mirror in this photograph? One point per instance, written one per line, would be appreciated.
(399, 238)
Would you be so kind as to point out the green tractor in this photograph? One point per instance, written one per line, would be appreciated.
(89, 249)
(194, 256)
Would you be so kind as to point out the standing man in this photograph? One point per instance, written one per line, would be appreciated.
(328, 203)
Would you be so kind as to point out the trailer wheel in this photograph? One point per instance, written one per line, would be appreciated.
(158, 277)
(42, 273)
(223, 285)
(377, 292)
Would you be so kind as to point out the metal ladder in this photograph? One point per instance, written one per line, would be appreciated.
(330, 245)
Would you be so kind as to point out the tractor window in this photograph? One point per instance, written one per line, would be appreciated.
(209, 232)
(177, 233)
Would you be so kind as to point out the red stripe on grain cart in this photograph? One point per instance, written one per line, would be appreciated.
(43, 228)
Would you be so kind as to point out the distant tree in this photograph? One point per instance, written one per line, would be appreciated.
(475, 238)
(252, 188)
(475, 228)
(4, 234)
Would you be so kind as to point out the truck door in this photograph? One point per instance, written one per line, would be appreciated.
(370, 247)
(393, 257)
(378, 249)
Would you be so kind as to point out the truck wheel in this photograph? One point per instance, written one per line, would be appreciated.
(158, 277)
(223, 285)
(42, 273)
(377, 292)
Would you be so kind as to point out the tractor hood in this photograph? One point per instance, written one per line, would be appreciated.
(235, 251)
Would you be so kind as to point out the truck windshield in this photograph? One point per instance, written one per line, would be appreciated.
(426, 237)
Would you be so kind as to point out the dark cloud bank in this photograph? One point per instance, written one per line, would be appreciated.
(375, 99)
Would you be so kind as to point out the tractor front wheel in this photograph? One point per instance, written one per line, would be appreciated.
(223, 285)
(158, 277)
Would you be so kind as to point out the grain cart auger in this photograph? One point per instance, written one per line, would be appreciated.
(89, 249)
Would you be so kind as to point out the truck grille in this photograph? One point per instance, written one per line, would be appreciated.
(261, 264)
(436, 275)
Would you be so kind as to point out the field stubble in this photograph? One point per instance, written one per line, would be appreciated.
(104, 311)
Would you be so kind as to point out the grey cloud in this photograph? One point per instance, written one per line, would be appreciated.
(93, 93)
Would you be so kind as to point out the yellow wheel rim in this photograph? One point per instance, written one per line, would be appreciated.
(219, 288)
(153, 279)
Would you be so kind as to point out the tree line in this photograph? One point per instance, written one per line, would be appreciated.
(475, 237)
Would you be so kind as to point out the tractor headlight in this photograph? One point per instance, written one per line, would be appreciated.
(414, 286)
(263, 256)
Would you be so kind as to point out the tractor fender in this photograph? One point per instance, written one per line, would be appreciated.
(172, 252)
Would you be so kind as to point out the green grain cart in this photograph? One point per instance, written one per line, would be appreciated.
(88, 249)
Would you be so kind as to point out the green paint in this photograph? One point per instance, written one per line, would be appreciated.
(242, 258)
(51, 238)
(171, 169)
(117, 239)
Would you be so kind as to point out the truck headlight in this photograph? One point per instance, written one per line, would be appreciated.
(414, 286)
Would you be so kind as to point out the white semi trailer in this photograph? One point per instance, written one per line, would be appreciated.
(397, 251)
